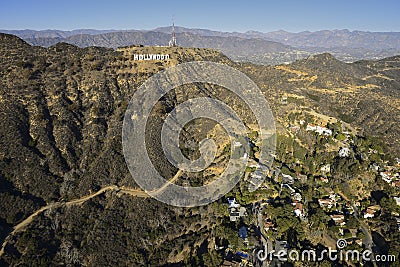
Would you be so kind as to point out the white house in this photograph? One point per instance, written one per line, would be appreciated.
(368, 215)
(371, 210)
(397, 199)
(326, 168)
(232, 203)
(287, 179)
(237, 144)
(297, 197)
(386, 176)
(326, 202)
(344, 152)
(338, 219)
(319, 129)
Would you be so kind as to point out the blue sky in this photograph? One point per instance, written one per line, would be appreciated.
(290, 15)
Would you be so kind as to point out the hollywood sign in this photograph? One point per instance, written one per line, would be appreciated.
(151, 57)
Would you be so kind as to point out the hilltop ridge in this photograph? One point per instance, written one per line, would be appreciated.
(61, 111)
(269, 48)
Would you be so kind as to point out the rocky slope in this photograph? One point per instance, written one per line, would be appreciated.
(61, 111)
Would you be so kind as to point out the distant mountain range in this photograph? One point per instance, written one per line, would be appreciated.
(263, 48)
(25, 34)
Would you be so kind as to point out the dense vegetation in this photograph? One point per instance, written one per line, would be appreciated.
(61, 111)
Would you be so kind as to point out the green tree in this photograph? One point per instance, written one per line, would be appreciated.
(389, 205)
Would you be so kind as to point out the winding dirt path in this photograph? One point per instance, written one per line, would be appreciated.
(171, 181)
(123, 190)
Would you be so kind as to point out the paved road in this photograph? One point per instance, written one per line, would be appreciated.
(367, 241)
(267, 244)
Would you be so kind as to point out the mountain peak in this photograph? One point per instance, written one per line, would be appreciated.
(324, 57)
(10, 40)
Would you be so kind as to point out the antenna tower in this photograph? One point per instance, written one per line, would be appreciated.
(172, 42)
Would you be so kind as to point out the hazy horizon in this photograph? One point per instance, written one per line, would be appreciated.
(208, 29)
(263, 16)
